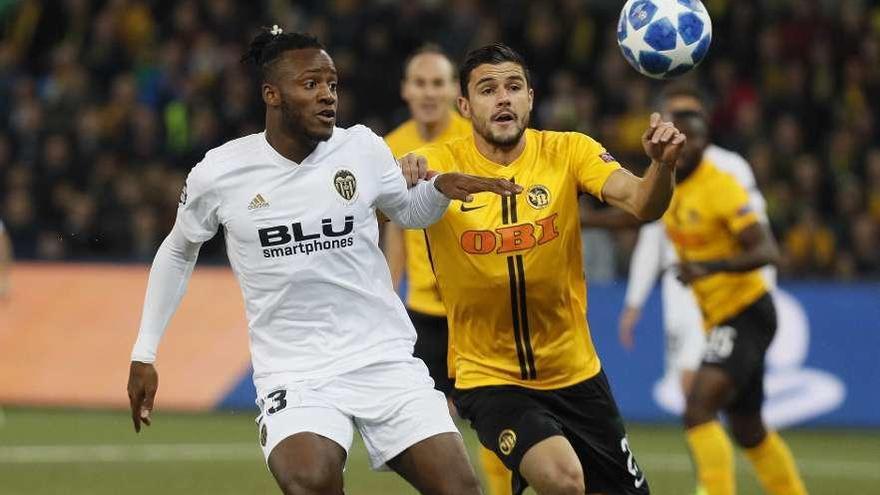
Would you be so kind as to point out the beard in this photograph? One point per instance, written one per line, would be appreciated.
(293, 122)
(484, 129)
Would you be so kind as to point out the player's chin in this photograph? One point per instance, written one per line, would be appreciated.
(322, 130)
(506, 135)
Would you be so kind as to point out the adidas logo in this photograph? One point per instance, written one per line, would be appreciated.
(258, 202)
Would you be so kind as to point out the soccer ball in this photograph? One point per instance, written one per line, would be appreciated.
(664, 38)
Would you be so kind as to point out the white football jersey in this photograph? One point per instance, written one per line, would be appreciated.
(654, 252)
(302, 239)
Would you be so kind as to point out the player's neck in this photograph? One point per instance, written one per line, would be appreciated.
(294, 148)
(429, 131)
(502, 155)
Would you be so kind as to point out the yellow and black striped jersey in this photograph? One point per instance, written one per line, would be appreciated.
(510, 270)
(422, 295)
(707, 211)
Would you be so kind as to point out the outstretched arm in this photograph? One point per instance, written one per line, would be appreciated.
(169, 276)
(646, 198)
(425, 202)
(394, 248)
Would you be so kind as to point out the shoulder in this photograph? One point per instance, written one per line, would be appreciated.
(566, 142)
(441, 156)
(400, 139)
(722, 185)
(231, 154)
(357, 133)
(400, 133)
(732, 163)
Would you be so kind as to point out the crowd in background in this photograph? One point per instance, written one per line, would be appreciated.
(105, 106)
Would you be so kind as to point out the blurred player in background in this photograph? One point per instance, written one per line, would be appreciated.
(330, 340)
(654, 254)
(722, 245)
(5, 261)
(527, 376)
(429, 88)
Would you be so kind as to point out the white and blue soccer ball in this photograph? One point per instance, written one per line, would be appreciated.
(664, 38)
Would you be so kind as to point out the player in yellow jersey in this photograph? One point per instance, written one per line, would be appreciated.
(429, 88)
(527, 376)
(722, 245)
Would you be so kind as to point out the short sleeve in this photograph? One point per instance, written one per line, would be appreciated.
(197, 211)
(590, 163)
(733, 205)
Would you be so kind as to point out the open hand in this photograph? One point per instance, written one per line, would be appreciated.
(463, 186)
(143, 381)
(663, 141)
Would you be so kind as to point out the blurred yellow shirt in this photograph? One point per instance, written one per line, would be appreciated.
(422, 295)
(707, 212)
(510, 269)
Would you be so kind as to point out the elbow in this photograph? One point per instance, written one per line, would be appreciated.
(648, 212)
(652, 209)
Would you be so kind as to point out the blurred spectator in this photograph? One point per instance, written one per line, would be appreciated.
(105, 106)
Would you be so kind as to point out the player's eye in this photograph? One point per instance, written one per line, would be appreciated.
(487, 90)
(514, 87)
(311, 84)
(333, 86)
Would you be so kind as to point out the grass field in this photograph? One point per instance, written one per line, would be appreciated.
(96, 453)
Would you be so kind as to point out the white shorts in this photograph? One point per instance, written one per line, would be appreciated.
(683, 326)
(393, 406)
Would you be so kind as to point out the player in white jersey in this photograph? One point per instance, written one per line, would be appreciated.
(330, 341)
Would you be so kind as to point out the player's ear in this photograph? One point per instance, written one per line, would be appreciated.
(271, 95)
(464, 107)
(531, 98)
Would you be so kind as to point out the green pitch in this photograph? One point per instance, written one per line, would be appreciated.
(97, 453)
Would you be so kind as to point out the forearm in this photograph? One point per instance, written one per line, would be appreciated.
(655, 191)
(395, 251)
(422, 206)
(644, 266)
(169, 276)
(743, 262)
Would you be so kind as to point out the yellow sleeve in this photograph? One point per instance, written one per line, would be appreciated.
(732, 203)
(590, 162)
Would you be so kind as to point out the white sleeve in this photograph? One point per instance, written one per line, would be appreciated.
(196, 222)
(197, 213)
(414, 208)
(645, 265)
(169, 277)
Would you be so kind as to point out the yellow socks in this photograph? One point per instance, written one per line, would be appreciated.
(775, 467)
(497, 474)
(713, 455)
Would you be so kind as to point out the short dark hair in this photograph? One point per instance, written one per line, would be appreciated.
(270, 43)
(494, 54)
(432, 48)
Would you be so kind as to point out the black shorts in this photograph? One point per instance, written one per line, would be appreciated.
(431, 347)
(510, 419)
(738, 346)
